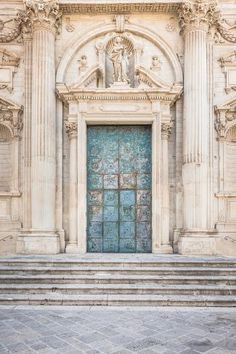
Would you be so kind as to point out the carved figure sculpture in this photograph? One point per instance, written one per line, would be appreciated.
(120, 60)
(156, 63)
(82, 63)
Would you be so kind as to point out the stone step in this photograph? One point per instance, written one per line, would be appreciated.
(118, 300)
(89, 289)
(116, 279)
(48, 269)
(15, 262)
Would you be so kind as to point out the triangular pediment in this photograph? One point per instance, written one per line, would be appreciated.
(8, 58)
(6, 104)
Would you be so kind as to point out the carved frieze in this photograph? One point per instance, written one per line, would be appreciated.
(228, 65)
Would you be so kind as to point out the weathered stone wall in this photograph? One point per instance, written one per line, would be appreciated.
(153, 34)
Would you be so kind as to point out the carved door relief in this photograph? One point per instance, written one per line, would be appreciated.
(119, 189)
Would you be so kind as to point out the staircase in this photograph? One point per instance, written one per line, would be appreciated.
(105, 279)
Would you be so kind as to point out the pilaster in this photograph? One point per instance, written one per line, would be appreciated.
(72, 246)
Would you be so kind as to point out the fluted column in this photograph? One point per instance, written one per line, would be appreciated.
(72, 246)
(165, 213)
(195, 18)
(43, 16)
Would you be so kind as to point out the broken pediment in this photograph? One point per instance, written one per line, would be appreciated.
(8, 58)
(10, 115)
(8, 64)
(225, 117)
(148, 79)
(228, 65)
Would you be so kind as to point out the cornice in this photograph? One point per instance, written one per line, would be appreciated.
(67, 95)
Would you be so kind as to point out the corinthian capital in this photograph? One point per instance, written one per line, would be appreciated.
(43, 13)
(197, 14)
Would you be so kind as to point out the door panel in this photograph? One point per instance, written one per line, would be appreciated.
(119, 189)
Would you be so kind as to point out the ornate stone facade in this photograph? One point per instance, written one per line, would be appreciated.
(67, 65)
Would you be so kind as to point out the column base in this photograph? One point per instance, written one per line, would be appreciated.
(163, 249)
(197, 242)
(38, 242)
(72, 248)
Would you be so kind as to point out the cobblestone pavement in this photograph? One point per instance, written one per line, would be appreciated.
(117, 330)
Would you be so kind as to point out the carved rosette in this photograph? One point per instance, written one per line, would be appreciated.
(197, 14)
(43, 14)
(166, 129)
(71, 129)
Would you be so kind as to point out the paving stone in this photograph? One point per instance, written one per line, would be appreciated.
(156, 330)
(201, 346)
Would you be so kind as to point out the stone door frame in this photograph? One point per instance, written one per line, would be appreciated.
(118, 107)
(84, 121)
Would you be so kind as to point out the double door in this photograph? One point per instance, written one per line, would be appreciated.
(119, 205)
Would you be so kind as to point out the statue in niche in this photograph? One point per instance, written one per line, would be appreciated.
(120, 60)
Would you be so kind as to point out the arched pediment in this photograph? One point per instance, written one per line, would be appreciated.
(134, 30)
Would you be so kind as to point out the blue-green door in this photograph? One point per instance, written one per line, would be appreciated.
(119, 189)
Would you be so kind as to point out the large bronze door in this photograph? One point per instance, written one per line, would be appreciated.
(119, 189)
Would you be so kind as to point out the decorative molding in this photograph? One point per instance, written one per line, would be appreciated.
(71, 129)
(43, 14)
(68, 94)
(117, 7)
(120, 21)
(197, 14)
(11, 116)
(166, 128)
(228, 65)
(225, 118)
